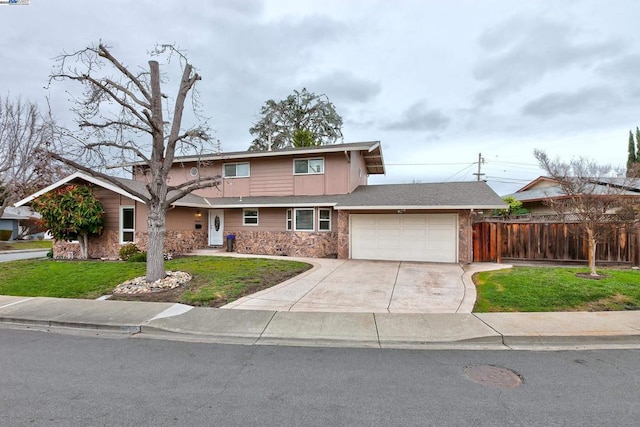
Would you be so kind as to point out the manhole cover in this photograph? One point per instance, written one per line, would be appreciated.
(494, 376)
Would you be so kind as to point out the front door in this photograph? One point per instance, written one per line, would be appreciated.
(216, 227)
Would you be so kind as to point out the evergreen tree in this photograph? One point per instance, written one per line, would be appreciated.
(637, 145)
(302, 119)
(631, 158)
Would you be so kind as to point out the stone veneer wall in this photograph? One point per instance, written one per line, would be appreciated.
(343, 234)
(289, 243)
(465, 237)
(107, 245)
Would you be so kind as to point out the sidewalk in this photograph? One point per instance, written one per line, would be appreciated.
(535, 331)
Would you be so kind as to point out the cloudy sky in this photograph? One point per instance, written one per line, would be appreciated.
(438, 82)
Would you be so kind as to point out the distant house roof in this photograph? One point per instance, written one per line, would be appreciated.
(373, 157)
(531, 193)
(11, 212)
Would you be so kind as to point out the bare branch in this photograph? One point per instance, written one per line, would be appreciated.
(120, 146)
(104, 52)
(92, 172)
(113, 123)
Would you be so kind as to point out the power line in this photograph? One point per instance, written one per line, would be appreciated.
(460, 171)
(426, 164)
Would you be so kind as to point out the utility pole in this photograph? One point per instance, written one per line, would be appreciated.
(480, 162)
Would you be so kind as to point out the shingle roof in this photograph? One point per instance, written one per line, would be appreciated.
(449, 195)
(446, 195)
(455, 195)
(373, 158)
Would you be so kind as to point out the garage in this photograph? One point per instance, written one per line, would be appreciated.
(404, 237)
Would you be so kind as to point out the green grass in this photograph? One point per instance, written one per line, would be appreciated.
(215, 279)
(225, 279)
(64, 279)
(531, 289)
(25, 244)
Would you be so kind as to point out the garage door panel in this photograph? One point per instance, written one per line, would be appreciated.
(418, 220)
(404, 237)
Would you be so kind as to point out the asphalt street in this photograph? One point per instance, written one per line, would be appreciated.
(51, 379)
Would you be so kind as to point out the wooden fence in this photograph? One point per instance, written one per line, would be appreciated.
(549, 241)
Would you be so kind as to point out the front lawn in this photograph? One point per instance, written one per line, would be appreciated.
(216, 280)
(527, 289)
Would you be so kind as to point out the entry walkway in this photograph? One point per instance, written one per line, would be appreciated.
(357, 286)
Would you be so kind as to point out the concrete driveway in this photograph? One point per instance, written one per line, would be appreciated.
(368, 286)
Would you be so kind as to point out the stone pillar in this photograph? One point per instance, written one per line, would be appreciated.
(465, 237)
(343, 234)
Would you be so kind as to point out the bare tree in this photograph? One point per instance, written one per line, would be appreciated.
(588, 193)
(123, 115)
(23, 132)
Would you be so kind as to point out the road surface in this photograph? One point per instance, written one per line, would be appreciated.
(72, 380)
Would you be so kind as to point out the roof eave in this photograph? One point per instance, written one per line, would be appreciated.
(423, 207)
(70, 178)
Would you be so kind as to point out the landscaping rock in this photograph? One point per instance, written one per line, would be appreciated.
(139, 285)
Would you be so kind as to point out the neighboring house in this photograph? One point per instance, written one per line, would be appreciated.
(309, 201)
(536, 195)
(11, 219)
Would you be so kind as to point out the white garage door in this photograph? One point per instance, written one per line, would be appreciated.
(405, 237)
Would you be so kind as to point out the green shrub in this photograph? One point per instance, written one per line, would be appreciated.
(5, 234)
(138, 257)
(50, 253)
(127, 251)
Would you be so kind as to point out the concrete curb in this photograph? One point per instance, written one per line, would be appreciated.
(495, 331)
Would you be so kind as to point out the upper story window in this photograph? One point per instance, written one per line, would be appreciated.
(236, 170)
(308, 166)
(127, 224)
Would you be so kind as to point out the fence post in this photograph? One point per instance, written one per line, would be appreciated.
(499, 243)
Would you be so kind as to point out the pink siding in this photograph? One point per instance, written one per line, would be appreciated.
(358, 171)
(272, 177)
(141, 216)
(235, 187)
(269, 219)
(309, 185)
(180, 219)
(111, 204)
(336, 173)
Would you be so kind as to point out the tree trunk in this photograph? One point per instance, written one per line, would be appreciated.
(592, 252)
(155, 245)
(83, 240)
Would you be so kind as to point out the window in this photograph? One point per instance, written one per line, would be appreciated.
(289, 219)
(308, 166)
(236, 170)
(127, 224)
(324, 219)
(304, 219)
(250, 217)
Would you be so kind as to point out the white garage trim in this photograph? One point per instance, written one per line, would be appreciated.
(404, 237)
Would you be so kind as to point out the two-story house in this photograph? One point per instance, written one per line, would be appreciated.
(309, 201)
